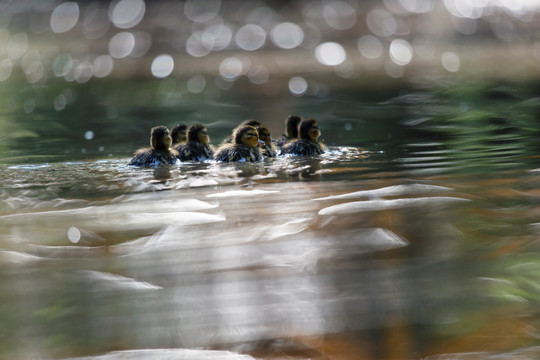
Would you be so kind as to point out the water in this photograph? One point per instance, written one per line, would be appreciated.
(414, 236)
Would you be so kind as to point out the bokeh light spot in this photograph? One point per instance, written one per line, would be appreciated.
(103, 66)
(83, 72)
(339, 15)
(370, 47)
(231, 68)
(401, 52)
(330, 53)
(95, 23)
(381, 23)
(143, 42)
(74, 234)
(64, 17)
(201, 11)
(89, 135)
(197, 47)
(450, 61)
(416, 6)
(258, 74)
(34, 72)
(60, 102)
(127, 13)
(162, 66)
(196, 84)
(298, 85)
(466, 8)
(287, 35)
(62, 64)
(121, 45)
(250, 37)
(220, 34)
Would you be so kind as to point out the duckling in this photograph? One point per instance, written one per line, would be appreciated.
(197, 147)
(267, 148)
(255, 123)
(244, 147)
(178, 134)
(160, 152)
(291, 130)
(307, 144)
(251, 122)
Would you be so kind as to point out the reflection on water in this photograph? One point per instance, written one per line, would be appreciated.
(346, 256)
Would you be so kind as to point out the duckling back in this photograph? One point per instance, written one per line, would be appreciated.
(284, 139)
(152, 157)
(302, 147)
(267, 150)
(194, 151)
(237, 152)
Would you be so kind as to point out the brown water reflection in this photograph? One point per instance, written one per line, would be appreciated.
(247, 259)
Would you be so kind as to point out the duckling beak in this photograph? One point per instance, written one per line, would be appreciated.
(261, 142)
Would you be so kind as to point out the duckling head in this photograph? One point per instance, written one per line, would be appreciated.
(264, 135)
(292, 126)
(198, 133)
(178, 133)
(246, 135)
(309, 129)
(160, 139)
(251, 122)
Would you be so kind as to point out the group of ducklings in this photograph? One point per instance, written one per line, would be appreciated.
(249, 142)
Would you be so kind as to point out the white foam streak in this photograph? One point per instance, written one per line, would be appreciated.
(170, 354)
(17, 258)
(127, 215)
(145, 220)
(378, 205)
(383, 239)
(117, 282)
(289, 228)
(395, 190)
(241, 193)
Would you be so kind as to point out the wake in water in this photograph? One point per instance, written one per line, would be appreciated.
(282, 168)
(64, 184)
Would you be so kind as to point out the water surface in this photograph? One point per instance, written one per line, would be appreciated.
(419, 245)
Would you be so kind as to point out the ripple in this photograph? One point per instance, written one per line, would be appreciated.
(241, 193)
(107, 281)
(18, 258)
(390, 191)
(379, 205)
(170, 354)
(145, 220)
(29, 166)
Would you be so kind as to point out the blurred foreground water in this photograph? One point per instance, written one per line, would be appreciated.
(414, 237)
